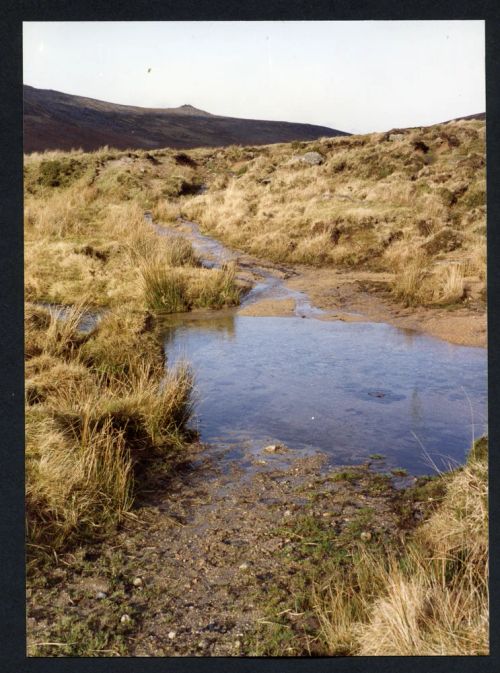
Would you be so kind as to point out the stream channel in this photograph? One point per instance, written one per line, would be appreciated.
(347, 389)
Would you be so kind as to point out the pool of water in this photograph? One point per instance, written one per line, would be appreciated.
(347, 389)
(89, 318)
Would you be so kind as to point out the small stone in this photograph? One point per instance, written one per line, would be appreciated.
(125, 619)
(137, 582)
(276, 448)
(366, 536)
(287, 512)
(172, 634)
(243, 566)
(100, 595)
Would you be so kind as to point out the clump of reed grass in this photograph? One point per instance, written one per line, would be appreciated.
(165, 288)
(75, 489)
(450, 285)
(172, 408)
(408, 281)
(215, 288)
(178, 251)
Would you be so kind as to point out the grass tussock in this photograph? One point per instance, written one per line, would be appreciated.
(423, 594)
(171, 290)
(451, 286)
(408, 281)
(164, 288)
(215, 288)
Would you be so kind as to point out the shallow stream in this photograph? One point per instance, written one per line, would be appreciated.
(348, 389)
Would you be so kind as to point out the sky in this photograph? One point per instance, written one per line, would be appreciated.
(355, 76)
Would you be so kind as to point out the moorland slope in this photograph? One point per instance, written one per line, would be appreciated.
(60, 121)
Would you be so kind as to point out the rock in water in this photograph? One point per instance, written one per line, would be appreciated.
(275, 448)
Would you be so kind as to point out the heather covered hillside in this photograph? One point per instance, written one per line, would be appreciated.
(59, 121)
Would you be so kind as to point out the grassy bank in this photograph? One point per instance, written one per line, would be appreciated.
(409, 202)
(368, 589)
(100, 412)
(100, 409)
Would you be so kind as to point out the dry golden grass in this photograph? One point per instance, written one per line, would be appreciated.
(86, 238)
(99, 405)
(450, 284)
(76, 489)
(372, 202)
(408, 281)
(164, 288)
(430, 597)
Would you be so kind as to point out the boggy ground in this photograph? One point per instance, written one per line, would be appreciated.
(191, 570)
(365, 295)
(359, 296)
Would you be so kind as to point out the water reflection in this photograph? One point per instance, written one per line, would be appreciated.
(174, 326)
(416, 407)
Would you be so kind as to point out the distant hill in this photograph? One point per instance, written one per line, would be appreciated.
(55, 120)
(481, 116)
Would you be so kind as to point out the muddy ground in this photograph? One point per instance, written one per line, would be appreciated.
(189, 572)
(365, 296)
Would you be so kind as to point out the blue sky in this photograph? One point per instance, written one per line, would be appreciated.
(357, 76)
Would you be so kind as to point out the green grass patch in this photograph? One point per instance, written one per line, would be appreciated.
(165, 289)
